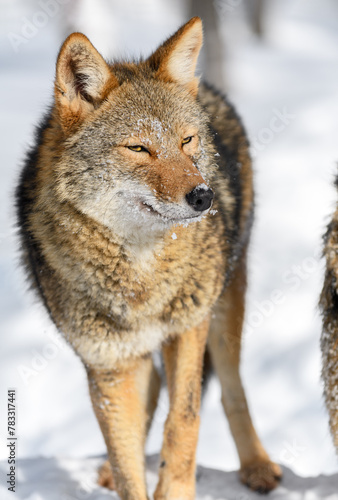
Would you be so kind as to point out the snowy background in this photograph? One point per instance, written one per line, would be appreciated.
(291, 71)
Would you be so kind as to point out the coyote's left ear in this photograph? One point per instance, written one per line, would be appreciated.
(175, 60)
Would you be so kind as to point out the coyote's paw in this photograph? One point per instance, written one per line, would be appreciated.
(261, 476)
(105, 477)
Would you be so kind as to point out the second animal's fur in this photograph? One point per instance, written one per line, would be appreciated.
(329, 339)
(119, 239)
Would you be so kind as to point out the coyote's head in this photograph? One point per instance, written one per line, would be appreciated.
(137, 154)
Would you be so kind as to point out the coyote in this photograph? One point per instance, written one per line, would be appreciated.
(135, 207)
(329, 338)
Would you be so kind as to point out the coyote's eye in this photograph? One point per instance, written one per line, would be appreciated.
(186, 140)
(138, 149)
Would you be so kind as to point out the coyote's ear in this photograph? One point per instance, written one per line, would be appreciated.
(175, 60)
(83, 79)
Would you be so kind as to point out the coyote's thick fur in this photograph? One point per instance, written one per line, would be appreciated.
(329, 339)
(119, 239)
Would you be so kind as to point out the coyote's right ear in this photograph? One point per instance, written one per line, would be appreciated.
(83, 79)
(175, 60)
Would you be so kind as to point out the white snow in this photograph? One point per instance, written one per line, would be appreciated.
(203, 186)
(285, 88)
(75, 479)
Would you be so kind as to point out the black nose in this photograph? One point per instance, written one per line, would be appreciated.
(200, 198)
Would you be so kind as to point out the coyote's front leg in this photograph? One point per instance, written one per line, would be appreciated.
(183, 359)
(119, 403)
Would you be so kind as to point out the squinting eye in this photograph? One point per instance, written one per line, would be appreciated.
(138, 149)
(186, 140)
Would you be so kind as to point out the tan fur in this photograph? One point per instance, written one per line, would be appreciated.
(79, 57)
(183, 360)
(125, 261)
(179, 55)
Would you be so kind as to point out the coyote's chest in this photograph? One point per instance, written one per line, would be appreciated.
(115, 305)
(170, 287)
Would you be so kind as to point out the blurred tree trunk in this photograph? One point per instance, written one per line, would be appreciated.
(255, 10)
(212, 57)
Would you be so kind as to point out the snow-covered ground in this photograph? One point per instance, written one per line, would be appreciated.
(75, 479)
(285, 88)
